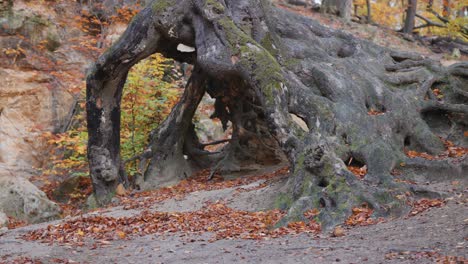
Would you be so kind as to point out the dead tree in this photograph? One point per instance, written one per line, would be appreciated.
(289, 86)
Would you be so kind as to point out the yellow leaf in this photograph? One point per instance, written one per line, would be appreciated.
(121, 234)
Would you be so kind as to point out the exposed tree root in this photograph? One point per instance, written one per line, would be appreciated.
(287, 85)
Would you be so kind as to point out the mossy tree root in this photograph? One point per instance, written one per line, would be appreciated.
(325, 96)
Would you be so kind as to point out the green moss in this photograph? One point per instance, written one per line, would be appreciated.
(268, 43)
(291, 62)
(235, 37)
(53, 42)
(300, 162)
(161, 5)
(266, 70)
(283, 201)
(216, 6)
(91, 202)
(384, 197)
(38, 20)
(337, 185)
(246, 28)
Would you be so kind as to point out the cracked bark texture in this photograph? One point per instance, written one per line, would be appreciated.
(289, 85)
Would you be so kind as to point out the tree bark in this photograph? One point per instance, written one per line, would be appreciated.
(341, 8)
(288, 85)
(410, 16)
(369, 11)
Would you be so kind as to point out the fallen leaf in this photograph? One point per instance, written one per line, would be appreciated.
(120, 190)
(121, 234)
(338, 232)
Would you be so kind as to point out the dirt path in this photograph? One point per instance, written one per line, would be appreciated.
(424, 238)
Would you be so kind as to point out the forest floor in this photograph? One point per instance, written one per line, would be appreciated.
(428, 235)
(433, 232)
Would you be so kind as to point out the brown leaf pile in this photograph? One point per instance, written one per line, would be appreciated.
(224, 222)
(198, 182)
(362, 217)
(360, 172)
(424, 204)
(420, 255)
(451, 151)
(21, 260)
(374, 112)
(451, 260)
(15, 223)
(311, 214)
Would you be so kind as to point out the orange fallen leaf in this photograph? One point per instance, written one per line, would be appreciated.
(338, 232)
(359, 172)
(424, 204)
(121, 234)
(120, 190)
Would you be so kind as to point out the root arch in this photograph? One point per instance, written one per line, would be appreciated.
(289, 86)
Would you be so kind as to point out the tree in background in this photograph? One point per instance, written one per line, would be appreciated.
(410, 16)
(342, 8)
(427, 17)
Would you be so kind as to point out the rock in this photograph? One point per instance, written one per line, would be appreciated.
(208, 129)
(456, 54)
(115, 200)
(300, 122)
(34, 26)
(3, 219)
(27, 110)
(22, 200)
(91, 202)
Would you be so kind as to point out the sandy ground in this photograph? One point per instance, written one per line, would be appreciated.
(406, 240)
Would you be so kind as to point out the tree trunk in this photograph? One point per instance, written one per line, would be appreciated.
(340, 8)
(288, 85)
(462, 12)
(369, 11)
(446, 10)
(410, 16)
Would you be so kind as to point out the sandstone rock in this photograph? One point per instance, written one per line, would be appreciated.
(207, 129)
(3, 219)
(22, 200)
(27, 109)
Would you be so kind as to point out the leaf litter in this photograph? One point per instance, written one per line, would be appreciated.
(217, 218)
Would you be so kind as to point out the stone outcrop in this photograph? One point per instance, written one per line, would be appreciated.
(33, 100)
(22, 200)
(42, 67)
(27, 109)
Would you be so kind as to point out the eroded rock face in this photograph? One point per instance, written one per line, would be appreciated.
(42, 66)
(22, 200)
(27, 109)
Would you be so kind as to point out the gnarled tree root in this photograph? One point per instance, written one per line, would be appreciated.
(323, 95)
